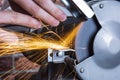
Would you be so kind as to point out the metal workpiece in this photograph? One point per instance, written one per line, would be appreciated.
(79, 8)
(58, 56)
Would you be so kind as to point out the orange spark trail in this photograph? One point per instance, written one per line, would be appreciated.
(68, 39)
(27, 42)
(37, 42)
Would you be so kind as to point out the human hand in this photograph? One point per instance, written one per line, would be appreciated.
(43, 10)
(11, 17)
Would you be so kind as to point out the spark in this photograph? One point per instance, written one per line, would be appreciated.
(28, 42)
(69, 38)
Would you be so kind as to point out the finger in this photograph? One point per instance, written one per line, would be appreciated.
(37, 12)
(11, 17)
(49, 6)
(17, 8)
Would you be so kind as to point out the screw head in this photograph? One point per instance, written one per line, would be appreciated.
(81, 70)
(101, 5)
(60, 54)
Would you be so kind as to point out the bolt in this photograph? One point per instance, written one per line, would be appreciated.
(81, 70)
(60, 54)
(101, 5)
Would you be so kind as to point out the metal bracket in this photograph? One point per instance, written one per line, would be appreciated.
(58, 56)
